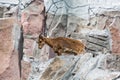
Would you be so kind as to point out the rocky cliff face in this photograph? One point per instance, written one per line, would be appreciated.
(95, 24)
(32, 21)
(82, 67)
(96, 27)
(9, 53)
(73, 21)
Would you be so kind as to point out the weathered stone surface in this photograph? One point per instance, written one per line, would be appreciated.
(112, 23)
(9, 57)
(88, 16)
(32, 18)
(32, 21)
(102, 75)
(95, 40)
(56, 70)
(74, 25)
(82, 67)
(29, 47)
(1, 11)
(116, 40)
(113, 62)
(68, 20)
(12, 11)
(12, 72)
(25, 69)
(77, 18)
(56, 25)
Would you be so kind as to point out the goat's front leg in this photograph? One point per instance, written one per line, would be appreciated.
(59, 52)
(56, 51)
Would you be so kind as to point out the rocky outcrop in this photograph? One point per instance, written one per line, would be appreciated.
(69, 21)
(26, 68)
(82, 67)
(32, 21)
(112, 23)
(63, 21)
(97, 25)
(9, 53)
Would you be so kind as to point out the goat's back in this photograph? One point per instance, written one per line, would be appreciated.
(69, 43)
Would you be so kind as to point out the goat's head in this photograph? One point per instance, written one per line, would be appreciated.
(40, 41)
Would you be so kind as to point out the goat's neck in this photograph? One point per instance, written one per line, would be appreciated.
(49, 42)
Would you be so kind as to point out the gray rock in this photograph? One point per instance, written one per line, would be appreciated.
(82, 67)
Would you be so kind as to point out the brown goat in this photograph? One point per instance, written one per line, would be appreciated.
(62, 45)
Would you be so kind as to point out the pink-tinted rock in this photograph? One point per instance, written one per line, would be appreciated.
(9, 68)
(115, 32)
(28, 47)
(25, 70)
(113, 26)
(116, 40)
(12, 71)
(32, 18)
(32, 21)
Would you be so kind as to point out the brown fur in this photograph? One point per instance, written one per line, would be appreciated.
(62, 45)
